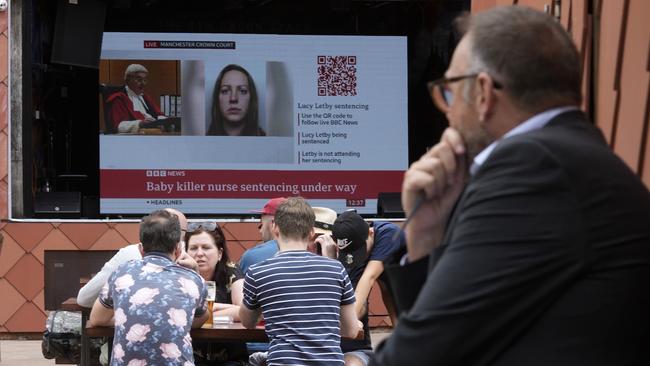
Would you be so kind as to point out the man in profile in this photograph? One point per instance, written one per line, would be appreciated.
(153, 302)
(130, 108)
(531, 243)
(269, 245)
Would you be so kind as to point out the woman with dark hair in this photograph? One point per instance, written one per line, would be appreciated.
(206, 243)
(235, 104)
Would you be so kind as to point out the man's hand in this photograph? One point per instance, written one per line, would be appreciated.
(328, 247)
(438, 177)
(187, 261)
(360, 331)
(145, 120)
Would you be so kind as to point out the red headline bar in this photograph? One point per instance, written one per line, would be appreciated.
(117, 183)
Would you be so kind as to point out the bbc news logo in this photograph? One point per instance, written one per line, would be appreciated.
(156, 173)
(165, 173)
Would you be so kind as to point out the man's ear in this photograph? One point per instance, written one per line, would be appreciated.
(485, 96)
(177, 251)
(371, 238)
(275, 229)
(141, 249)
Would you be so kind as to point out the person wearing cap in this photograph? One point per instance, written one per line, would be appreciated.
(363, 250)
(322, 225)
(269, 245)
(321, 239)
(259, 253)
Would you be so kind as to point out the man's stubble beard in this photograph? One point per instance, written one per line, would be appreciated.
(475, 142)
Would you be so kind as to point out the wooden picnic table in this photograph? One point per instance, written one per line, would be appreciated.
(233, 332)
(230, 332)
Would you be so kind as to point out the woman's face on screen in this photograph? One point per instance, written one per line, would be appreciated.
(234, 96)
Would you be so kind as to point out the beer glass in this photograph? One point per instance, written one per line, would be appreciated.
(211, 286)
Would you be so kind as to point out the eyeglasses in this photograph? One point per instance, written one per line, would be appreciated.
(443, 97)
(205, 225)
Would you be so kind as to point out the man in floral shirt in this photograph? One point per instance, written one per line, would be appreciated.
(153, 301)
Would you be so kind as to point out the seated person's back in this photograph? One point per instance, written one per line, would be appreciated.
(153, 302)
(307, 300)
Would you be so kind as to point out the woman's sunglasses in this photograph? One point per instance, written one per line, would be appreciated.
(205, 225)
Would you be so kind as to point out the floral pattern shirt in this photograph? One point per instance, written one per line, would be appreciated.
(155, 301)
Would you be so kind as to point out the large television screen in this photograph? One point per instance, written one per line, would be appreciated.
(220, 123)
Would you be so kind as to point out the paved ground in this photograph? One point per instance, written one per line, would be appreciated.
(22, 353)
(28, 353)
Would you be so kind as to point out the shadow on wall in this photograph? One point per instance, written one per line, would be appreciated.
(279, 100)
(193, 97)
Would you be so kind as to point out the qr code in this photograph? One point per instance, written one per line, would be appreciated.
(337, 75)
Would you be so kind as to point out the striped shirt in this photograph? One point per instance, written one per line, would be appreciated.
(300, 294)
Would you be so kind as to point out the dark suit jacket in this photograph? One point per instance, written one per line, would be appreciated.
(546, 261)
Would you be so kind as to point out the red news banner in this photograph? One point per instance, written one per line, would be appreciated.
(318, 184)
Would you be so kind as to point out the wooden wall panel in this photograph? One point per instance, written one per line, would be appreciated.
(645, 168)
(608, 49)
(565, 13)
(587, 71)
(4, 114)
(479, 5)
(634, 85)
(578, 24)
(536, 4)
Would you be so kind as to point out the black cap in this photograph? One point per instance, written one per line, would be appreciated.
(350, 232)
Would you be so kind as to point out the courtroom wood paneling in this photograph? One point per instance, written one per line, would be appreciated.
(164, 78)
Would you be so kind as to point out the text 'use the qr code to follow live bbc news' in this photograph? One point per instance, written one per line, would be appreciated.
(337, 76)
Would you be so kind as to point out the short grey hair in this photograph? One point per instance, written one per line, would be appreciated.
(529, 53)
(134, 68)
